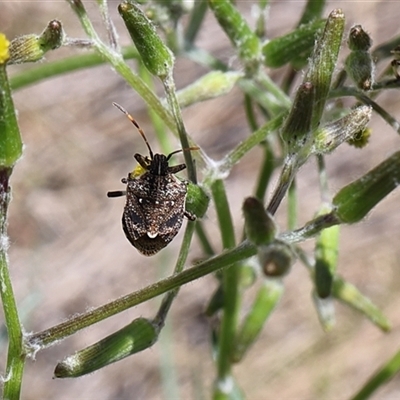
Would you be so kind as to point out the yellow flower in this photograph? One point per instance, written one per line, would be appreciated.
(4, 54)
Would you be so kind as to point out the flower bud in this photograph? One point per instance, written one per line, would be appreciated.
(359, 65)
(260, 227)
(323, 62)
(326, 253)
(350, 295)
(296, 131)
(139, 335)
(355, 201)
(330, 136)
(31, 48)
(275, 259)
(359, 40)
(156, 56)
(197, 200)
(214, 84)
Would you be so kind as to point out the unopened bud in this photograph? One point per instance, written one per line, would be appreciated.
(359, 40)
(31, 48)
(260, 227)
(275, 259)
(156, 56)
(355, 201)
(137, 336)
(330, 136)
(197, 200)
(297, 127)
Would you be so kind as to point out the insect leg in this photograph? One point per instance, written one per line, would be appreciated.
(116, 193)
(190, 216)
(176, 168)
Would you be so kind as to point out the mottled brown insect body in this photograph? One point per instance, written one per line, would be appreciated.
(155, 201)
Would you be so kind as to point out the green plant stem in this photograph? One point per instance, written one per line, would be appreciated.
(292, 205)
(49, 336)
(323, 178)
(10, 152)
(158, 125)
(310, 229)
(52, 69)
(205, 242)
(267, 169)
(180, 263)
(230, 284)
(118, 63)
(169, 87)
(347, 91)
(385, 373)
(224, 216)
(196, 19)
(112, 34)
(283, 101)
(250, 115)
(15, 357)
(288, 172)
(225, 165)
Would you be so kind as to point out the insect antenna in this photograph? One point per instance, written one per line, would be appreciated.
(181, 150)
(120, 108)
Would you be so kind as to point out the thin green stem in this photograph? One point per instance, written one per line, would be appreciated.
(225, 165)
(267, 169)
(282, 99)
(49, 336)
(347, 91)
(286, 177)
(223, 213)
(230, 284)
(116, 60)
(196, 19)
(292, 205)
(250, 115)
(310, 229)
(15, 358)
(169, 87)
(203, 238)
(180, 263)
(112, 34)
(51, 69)
(10, 152)
(158, 124)
(385, 373)
(323, 178)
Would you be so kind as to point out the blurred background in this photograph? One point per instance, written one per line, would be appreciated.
(68, 252)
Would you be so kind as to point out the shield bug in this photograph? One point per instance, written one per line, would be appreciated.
(155, 199)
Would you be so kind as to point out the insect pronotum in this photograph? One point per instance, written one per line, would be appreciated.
(155, 199)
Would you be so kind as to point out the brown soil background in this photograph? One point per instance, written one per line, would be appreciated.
(68, 252)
